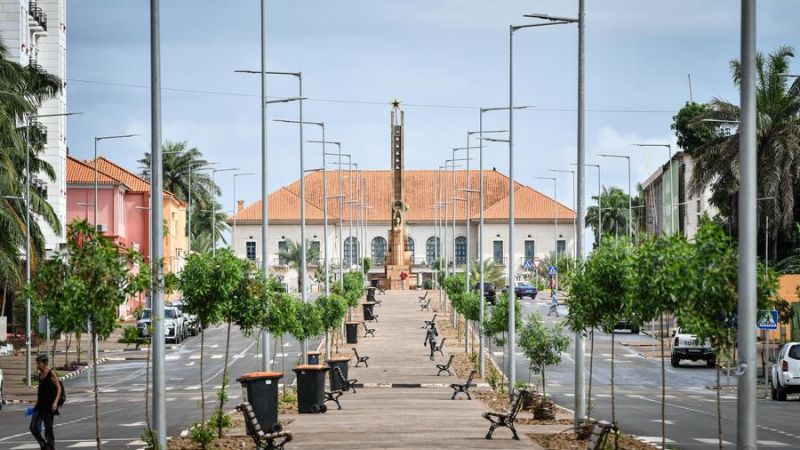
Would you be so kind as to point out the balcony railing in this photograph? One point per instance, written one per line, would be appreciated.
(37, 14)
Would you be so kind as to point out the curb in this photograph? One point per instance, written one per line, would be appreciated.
(412, 385)
(62, 378)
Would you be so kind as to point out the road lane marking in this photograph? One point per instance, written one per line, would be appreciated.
(654, 439)
(666, 422)
(25, 446)
(194, 356)
(712, 441)
(86, 444)
(216, 356)
(772, 443)
(134, 424)
(135, 443)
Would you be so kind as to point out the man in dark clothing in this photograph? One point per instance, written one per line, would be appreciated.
(430, 338)
(46, 404)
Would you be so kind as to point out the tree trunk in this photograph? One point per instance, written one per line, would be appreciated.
(67, 343)
(96, 397)
(53, 350)
(613, 395)
(274, 353)
(202, 389)
(719, 411)
(544, 388)
(78, 344)
(283, 364)
(224, 379)
(663, 385)
(591, 366)
(328, 343)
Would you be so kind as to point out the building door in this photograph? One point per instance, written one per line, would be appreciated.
(497, 252)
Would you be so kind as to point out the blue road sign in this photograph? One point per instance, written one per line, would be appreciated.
(552, 270)
(527, 265)
(768, 320)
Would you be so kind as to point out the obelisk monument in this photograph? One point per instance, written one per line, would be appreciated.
(398, 258)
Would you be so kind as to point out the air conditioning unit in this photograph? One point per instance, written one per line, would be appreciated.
(135, 246)
(101, 228)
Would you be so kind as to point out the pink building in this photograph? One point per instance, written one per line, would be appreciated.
(123, 211)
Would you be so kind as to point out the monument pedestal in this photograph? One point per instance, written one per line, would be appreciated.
(394, 280)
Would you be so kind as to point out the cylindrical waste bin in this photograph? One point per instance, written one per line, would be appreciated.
(341, 363)
(373, 283)
(368, 311)
(370, 294)
(310, 388)
(313, 358)
(261, 391)
(351, 329)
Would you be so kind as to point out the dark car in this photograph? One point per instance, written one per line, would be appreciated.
(523, 290)
(489, 292)
(625, 325)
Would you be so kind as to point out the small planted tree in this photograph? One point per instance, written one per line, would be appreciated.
(497, 324)
(281, 319)
(333, 309)
(542, 346)
(309, 322)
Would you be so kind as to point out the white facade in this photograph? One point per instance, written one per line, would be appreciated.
(35, 38)
(540, 234)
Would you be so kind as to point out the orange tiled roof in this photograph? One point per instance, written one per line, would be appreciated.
(82, 173)
(420, 194)
(133, 181)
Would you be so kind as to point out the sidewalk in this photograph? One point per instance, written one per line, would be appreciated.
(400, 417)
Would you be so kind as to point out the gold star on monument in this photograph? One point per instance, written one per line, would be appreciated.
(395, 103)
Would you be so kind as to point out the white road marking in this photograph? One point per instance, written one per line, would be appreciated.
(86, 444)
(135, 443)
(195, 356)
(25, 446)
(216, 356)
(712, 441)
(193, 387)
(772, 443)
(668, 422)
(172, 357)
(134, 424)
(189, 364)
(654, 439)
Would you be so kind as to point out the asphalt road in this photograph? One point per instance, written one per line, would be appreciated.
(122, 394)
(690, 405)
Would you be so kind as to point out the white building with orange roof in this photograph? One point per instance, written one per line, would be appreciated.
(542, 225)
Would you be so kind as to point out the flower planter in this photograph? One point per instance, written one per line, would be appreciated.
(545, 410)
(584, 429)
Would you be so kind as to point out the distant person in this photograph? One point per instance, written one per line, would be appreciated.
(553, 303)
(46, 408)
(430, 338)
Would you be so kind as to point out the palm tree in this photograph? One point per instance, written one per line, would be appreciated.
(492, 272)
(614, 202)
(293, 257)
(203, 220)
(778, 142)
(22, 91)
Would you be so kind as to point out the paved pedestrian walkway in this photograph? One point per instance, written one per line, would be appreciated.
(400, 417)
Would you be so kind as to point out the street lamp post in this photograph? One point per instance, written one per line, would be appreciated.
(214, 208)
(96, 140)
(574, 228)
(555, 217)
(630, 194)
(233, 235)
(599, 202)
(672, 193)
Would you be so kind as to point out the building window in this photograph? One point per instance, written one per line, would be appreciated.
(350, 251)
(250, 250)
(379, 250)
(561, 246)
(461, 250)
(283, 247)
(530, 250)
(410, 246)
(314, 250)
(432, 249)
(497, 251)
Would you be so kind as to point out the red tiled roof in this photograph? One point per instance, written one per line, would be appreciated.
(133, 181)
(420, 194)
(79, 172)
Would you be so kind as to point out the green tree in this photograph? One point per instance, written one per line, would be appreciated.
(282, 318)
(542, 345)
(614, 202)
(496, 325)
(202, 222)
(293, 255)
(716, 161)
(689, 130)
(333, 308)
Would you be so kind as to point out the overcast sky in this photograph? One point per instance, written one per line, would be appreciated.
(441, 58)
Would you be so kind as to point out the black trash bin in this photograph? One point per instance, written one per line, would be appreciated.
(311, 388)
(313, 358)
(351, 329)
(342, 363)
(261, 391)
(373, 283)
(370, 294)
(368, 311)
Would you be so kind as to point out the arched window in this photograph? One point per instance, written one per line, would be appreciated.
(461, 250)
(432, 249)
(350, 251)
(379, 250)
(410, 246)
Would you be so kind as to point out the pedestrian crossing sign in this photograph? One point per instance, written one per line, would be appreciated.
(552, 271)
(528, 264)
(768, 319)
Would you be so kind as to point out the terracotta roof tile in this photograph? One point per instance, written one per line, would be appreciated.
(136, 183)
(420, 193)
(79, 172)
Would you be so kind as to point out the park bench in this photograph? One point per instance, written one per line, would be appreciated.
(360, 359)
(422, 298)
(377, 302)
(506, 419)
(425, 306)
(349, 385)
(445, 367)
(430, 323)
(368, 331)
(600, 432)
(459, 388)
(262, 440)
(381, 290)
(438, 348)
(333, 396)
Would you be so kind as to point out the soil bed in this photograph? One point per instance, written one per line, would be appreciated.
(569, 441)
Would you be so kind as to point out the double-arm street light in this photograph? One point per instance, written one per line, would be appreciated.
(630, 201)
(341, 197)
(96, 140)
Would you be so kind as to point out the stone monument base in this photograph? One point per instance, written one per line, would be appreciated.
(393, 280)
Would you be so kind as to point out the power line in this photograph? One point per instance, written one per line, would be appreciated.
(365, 102)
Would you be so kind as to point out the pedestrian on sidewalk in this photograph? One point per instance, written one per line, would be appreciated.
(553, 303)
(46, 407)
(430, 338)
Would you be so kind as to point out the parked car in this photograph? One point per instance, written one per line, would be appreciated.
(190, 323)
(525, 289)
(173, 324)
(784, 376)
(489, 293)
(688, 346)
(625, 325)
(2, 390)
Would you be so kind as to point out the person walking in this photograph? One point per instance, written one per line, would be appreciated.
(430, 338)
(553, 303)
(46, 407)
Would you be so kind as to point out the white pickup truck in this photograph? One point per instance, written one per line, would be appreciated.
(688, 346)
(784, 376)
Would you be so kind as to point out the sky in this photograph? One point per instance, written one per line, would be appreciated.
(442, 59)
